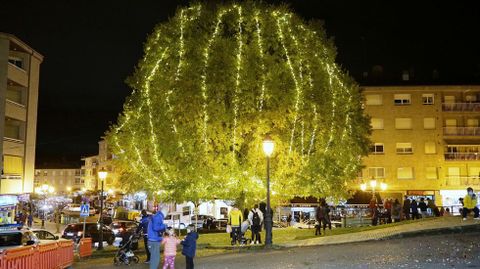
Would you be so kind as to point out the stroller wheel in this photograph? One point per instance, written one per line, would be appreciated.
(116, 261)
(135, 259)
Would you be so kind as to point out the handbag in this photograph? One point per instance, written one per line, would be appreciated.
(229, 229)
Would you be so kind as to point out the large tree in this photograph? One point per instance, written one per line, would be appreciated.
(213, 82)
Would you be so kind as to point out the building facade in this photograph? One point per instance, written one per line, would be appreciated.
(89, 171)
(105, 161)
(425, 140)
(19, 78)
(62, 180)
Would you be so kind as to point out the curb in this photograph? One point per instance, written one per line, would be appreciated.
(434, 231)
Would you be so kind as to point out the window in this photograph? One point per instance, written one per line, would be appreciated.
(431, 173)
(373, 99)
(474, 171)
(402, 99)
(377, 124)
(427, 98)
(15, 94)
(405, 172)
(451, 122)
(38, 172)
(472, 122)
(404, 148)
(403, 123)
(14, 129)
(45, 173)
(376, 172)
(430, 148)
(17, 61)
(449, 99)
(12, 165)
(377, 148)
(470, 98)
(453, 172)
(428, 123)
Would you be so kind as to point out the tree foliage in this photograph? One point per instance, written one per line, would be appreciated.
(213, 82)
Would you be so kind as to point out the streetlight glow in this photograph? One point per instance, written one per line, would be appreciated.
(102, 174)
(383, 186)
(363, 186)
(373, 183)
(268, 146)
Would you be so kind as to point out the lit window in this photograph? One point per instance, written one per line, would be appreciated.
(12, 165)
(376, 172)
(453, 172)
(405, 172)
(430, 148)
(377, 124)
(402, 99)
(377, 148)
(431, 173)
(470, 98)
(373, 99)
(404, 148)
(427, 99)
(403, 123)
(428, 123)
(472, 122)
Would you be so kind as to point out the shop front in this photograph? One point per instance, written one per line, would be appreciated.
(8, 204)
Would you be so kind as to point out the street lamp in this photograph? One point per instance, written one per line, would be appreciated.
(373, 185)
(45, 189)
(268, 146)
(102, 174)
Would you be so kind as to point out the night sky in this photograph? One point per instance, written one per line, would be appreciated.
(90, 48)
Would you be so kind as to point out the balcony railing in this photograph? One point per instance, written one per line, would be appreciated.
(461, 131)
(462, 180)
(462, 156)
(468, 107)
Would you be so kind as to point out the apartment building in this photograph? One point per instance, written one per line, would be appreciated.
(89, 172)
(62, 180)
(425, 140)
(19, 78)
(93, 164)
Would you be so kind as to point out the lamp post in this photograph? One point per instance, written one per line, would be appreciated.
(268, 146)
(373, 185)
(102, 174)
(45, 188)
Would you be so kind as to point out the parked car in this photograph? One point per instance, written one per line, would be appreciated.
(204, 221)
(13, 236)
(174, 220)
(120, 228)
(44, 235)
(92, 229)
(74, 209)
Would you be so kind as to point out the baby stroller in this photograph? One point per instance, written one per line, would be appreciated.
(243, 229)
(125, 253)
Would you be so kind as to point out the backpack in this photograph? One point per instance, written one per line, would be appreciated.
(255, 218)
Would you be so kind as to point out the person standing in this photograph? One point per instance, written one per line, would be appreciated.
(235, 219)
(374, 211)
(414, 208)
(406, 208)
(255, 217)
(30, 220)
(423, 207)
(154, 233)
(170, 243)
(143, 227)
(470, 204)
(189, 244)
(396, 211)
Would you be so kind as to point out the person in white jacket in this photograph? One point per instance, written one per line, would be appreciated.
(255, 217)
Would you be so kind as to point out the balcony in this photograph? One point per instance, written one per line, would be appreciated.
(461, 107)
(461, 131)
(462, 181)
(17, 74)
(462, 156)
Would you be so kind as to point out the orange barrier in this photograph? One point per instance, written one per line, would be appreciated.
(53, 255)
(85, 247)
(65, 251)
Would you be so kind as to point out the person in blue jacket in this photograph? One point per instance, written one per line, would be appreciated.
(144, 228)
(189, 244)
(155, 230)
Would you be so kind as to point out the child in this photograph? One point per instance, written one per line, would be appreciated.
(170, 250)
(189, 244)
